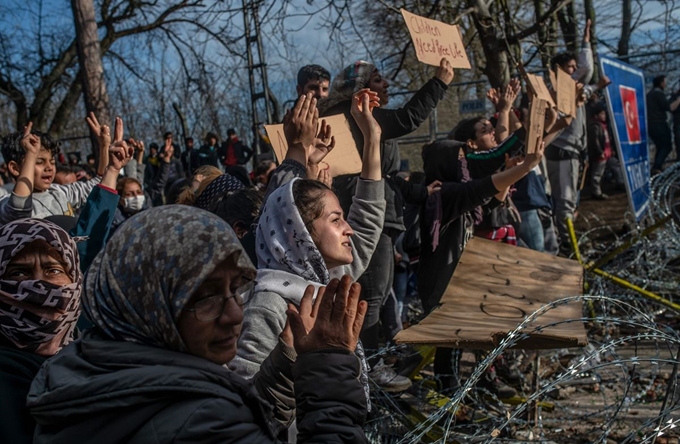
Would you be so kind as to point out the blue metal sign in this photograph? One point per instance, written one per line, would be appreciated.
(628, 111)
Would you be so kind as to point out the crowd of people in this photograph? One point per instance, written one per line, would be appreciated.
(172, 296)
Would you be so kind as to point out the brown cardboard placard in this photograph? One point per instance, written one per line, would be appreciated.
(343, 159)
(537, 86)
(434, 40)
(566, 93)
(536, 124)
(494, 288)
(540, 89)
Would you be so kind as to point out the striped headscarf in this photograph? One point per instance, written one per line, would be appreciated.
(139, 284)
(35, 315)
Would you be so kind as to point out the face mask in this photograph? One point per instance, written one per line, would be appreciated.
(134, 203)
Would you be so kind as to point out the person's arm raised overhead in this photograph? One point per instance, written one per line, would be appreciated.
(363, 103)
(104, 139)
(306, 144)
(585, 69)
(31, 145)
(324, 142)
(506, 98)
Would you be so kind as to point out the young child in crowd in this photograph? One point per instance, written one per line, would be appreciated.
(30, 157)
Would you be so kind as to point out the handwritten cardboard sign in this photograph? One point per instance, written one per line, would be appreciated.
(494, 288)
(343, 159)
(434, 40)
(566, 93)
(537, 86)
(536, 124)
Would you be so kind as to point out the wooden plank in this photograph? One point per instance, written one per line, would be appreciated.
(494, 288)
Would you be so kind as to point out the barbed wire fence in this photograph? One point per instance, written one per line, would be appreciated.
(622, 387)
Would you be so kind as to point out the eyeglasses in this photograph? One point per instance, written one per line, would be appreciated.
(211, 308)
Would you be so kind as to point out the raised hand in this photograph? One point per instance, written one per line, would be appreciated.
(300, 123)
(494, 96)
(586, 32)
(533, 159)
(444, 71)
(103, 132)
(30, 142)
(324, 142)
(363, 102)
(513, 161)
(324, 176)
(508, 95)
(118, 130)
(167, 153)
(337, 322)
(120, 154)
(309, 308)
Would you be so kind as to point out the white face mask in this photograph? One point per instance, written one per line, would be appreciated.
(134, 203)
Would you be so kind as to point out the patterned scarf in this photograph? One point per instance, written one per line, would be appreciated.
(283, 242)
(350, 80)
(212, 194)
(35, 315)
(139, 284)
(288, 260)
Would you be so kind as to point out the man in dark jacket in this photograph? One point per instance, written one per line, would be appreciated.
(377, 280)
(233, 151)
(207, 154)
(657, 121)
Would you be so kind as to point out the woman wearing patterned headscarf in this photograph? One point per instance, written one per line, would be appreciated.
(377, 281)
(164, 296)
(40, 284)
(303, 239)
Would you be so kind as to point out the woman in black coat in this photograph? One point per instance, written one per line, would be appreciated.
(165, 298)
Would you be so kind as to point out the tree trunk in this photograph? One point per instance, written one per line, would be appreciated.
(91, 69)
(567, 18)
(626, 17)
(497, 69)
(542, 34)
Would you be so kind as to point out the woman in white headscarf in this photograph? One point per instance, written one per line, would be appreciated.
(303, 238)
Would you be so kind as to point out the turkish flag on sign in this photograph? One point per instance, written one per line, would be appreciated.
(630, 113)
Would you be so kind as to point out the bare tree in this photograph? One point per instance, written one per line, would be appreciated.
(91, 72)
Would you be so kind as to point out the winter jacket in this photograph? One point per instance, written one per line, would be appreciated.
(206, 155)
(658, 106)
(598, 141)
(17, 370)
(94, 222)
(437, 265)
(56, 200)
(264, 316)
(394, 123)
(242, 153)
(105, 391)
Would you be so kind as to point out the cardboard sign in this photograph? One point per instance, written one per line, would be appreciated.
(566, 93)
(627, 111)
(536, 124)
(434, 40)
(539, 88)
(343, 159)
(494, 288)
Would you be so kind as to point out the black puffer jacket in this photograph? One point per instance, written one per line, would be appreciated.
(105, 391)
(394, 123)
